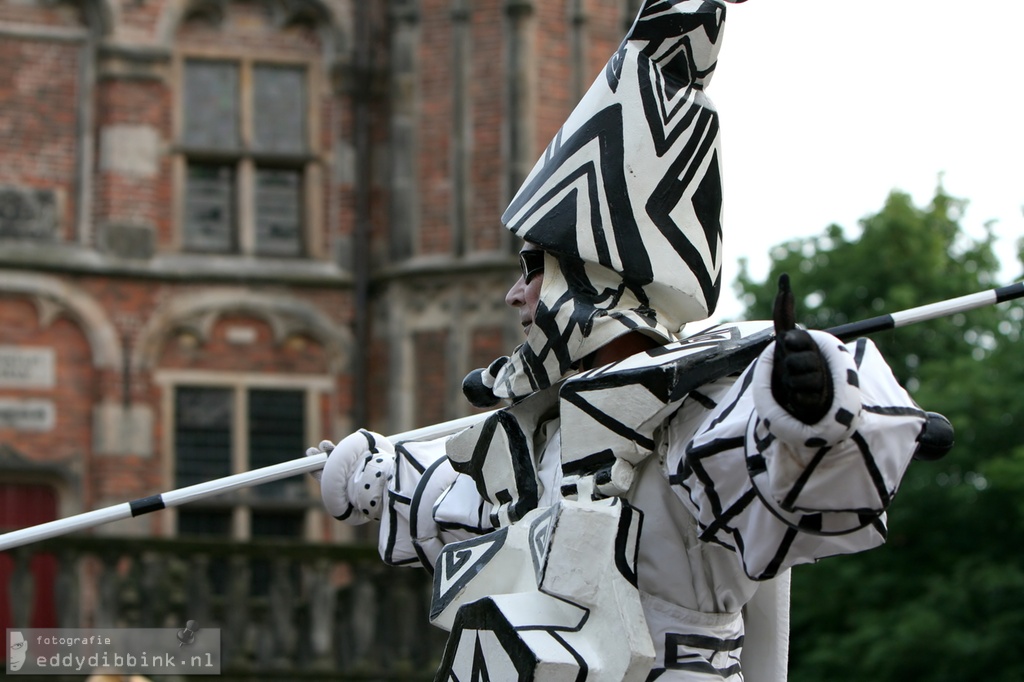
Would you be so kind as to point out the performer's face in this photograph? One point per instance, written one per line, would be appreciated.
(525, 293)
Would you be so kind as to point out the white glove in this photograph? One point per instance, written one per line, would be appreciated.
(356, 475)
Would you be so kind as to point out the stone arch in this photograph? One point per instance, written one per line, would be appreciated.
(54, 298)
(198, 313)
(331, 17)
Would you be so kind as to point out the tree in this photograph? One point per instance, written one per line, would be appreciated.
(944, 599)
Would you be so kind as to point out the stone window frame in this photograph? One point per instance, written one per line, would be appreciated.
(316, 388)
(312, 162)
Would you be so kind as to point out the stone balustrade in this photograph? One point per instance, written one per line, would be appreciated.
(286, 610)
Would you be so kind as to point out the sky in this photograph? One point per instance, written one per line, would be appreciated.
(827, 106)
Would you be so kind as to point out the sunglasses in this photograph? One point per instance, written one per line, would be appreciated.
(532, 264)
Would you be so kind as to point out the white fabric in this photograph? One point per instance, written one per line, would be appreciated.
(628, 194)
(862, 471)
(573, 617)
(713, 656)
(409, 533)
(713, 533)
(766, 618)
(355, 475)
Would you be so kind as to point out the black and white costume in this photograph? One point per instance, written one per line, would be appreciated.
(733, 493)
(638, 520)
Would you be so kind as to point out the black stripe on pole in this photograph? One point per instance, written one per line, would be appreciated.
(144, 505)
(1008, 293)
(848, 332)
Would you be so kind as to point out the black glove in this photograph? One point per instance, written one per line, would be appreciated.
(801, 381)
(479, 384)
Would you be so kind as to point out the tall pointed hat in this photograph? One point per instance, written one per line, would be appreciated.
(627, 199)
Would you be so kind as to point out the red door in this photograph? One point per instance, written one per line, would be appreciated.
(23, 505)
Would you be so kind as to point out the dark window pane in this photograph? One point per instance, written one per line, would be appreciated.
(278, 212)
(277, 434)
(211, 104)
(210, 208)
(204, 522)
(202, 435)
(279, 108)
(278, 524)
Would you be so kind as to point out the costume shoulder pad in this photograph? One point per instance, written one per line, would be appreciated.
(610, 414)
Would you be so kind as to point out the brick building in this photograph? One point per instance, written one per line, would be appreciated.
(230, 228)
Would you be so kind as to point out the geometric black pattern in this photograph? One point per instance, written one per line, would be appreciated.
(703, 654)
(498, 456)
(791, 522)
(485, 647)
(498, 453)
(654, 383)
(630, 183)
(458, 563)
(583, 187)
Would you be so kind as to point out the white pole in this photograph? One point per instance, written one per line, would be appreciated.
(175, 498)
(303, 465)
(930, 311)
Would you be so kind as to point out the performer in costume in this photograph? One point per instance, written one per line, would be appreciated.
(634, 511)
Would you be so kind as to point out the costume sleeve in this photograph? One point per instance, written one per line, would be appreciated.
(780, 492)
(429, 505)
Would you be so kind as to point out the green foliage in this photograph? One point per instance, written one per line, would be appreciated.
(944, 599)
